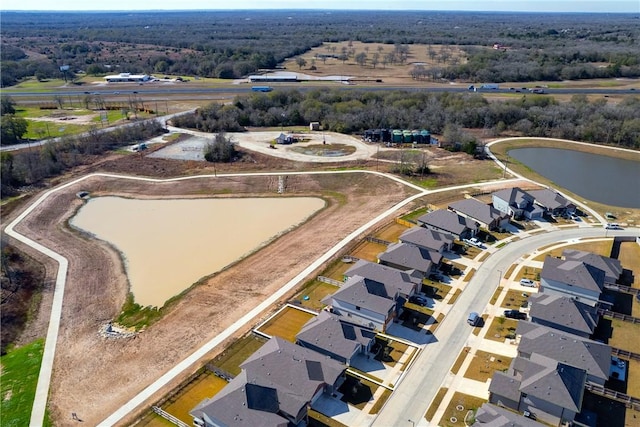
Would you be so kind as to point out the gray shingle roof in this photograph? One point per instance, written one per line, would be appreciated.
(336, 336)
(364, 293)
(295, 372)
(241, 404)
(514, 196)
(448, 221)
(426, 238)
(559, 384)
(563, 311)
(574, 273)
(583, 353)
(550, 199)
(505, 385)
(489, 415)
(612, 267)
(410, 257)
(477, 210)
(392, 278)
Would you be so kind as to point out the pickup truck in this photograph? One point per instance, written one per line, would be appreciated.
(474, 242)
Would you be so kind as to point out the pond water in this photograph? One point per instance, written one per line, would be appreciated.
(168, 245)
(603, 179)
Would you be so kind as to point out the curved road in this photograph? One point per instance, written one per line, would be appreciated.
(428, 370)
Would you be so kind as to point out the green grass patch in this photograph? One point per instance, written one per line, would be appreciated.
(315, 290)
(133, 315)
(20, 369)
(413, 216)
(41, 130)
(235, 354)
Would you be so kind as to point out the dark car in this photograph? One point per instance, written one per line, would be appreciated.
(418, 300)
(515, 314)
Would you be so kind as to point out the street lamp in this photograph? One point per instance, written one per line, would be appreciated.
(412, 422)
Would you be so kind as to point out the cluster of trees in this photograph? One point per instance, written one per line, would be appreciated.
(221, 149)
(12, 128)
(441, 113)
(230, 44)
(28, 167)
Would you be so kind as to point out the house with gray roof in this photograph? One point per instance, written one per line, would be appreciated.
(550, 390)
(428, 239)
(517, 203)
(552, 202)
(405, 256)
(486, 215)
(397, 281)
(612, 267)
(574, 279)
(489, 415)
(278, 383)
(563, 313)
(538, 341)
(334, 336)
(366, 302)
(449, 222)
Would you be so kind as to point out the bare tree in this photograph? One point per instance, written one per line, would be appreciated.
(301, 62)
(361, 59)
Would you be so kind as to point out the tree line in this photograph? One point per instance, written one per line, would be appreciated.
(352, 111)
(231, 44)
(31, 166)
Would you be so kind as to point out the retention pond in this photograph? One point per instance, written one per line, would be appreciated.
(167, 245)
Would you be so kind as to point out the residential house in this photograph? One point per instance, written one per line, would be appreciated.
(517, 203)
(551, 391)
(553, 202)
(449, 222)
(612, 267)
(489, 415)
(563, 313)
(540, 341)
(486, 215)
(574, 279)
(402, 283)
(336, 337)
(366, 302)
(428, 239)
(405, 256)
(278, 383)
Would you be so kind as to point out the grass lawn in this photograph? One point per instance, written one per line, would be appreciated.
(204, 386)
(496, 295)
(484, 364)
(469, 275)
(529, 273)
(436, 402)
(436, 323)
(508, 273)
(633, 378)
(455, 296)
(628, 257)
(391, 232)
(625, 336)
(380, 402)
(40, 129)
(414, 215)
(20, 369)
(460, 360)
(368, 251)
(500, 328)
(458, 407)
(316, 291)
(287, 323)
(597, 247)
(514, 299)
(357, 391)
(435, 290)
(471, 251)
(154, 420)
(233, 356)
(336, 269)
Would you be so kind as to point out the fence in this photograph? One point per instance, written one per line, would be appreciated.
(622, 288)
(167, 416)
(629, 401)
(219, 372)
(406, 223)
(625, 354)
(329, 281)
(618, 316)
(376, 240)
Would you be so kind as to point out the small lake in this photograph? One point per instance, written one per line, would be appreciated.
(603, 179)
(168, 245)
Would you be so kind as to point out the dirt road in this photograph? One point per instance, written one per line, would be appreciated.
(93, 376)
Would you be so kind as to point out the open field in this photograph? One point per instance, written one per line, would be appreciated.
(287, 323)
(198, 315)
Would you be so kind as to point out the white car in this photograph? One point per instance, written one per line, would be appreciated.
(528, 283)
(474, 242)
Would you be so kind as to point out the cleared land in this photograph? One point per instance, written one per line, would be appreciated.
(87, 365)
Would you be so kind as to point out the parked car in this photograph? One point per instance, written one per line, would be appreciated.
(613, 226)
(515, 314)
(474, 319)
(474, 242)
(417, 299)
(528, 283)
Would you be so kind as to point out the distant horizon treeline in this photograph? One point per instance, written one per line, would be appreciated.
(343, 111)
(237, 43)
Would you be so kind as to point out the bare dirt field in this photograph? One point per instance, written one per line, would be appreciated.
(94, 376)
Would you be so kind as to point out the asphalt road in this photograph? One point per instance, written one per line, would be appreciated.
(412, 397)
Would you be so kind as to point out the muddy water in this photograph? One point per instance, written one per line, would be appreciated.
(168, 245)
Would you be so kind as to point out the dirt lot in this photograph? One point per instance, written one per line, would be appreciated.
(94, 376)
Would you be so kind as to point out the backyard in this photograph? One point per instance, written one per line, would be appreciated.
(287, 323)
(235, 354)
(314, 291)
